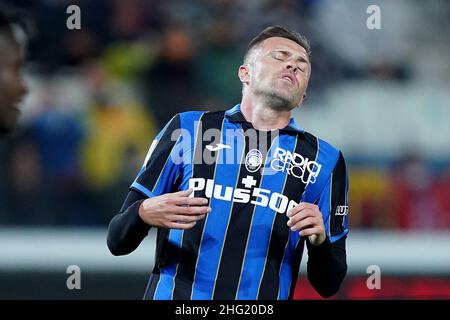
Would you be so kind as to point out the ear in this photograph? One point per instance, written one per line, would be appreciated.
(243, 74)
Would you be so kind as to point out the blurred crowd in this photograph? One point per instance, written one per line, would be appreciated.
(409, 194)
(97, 97)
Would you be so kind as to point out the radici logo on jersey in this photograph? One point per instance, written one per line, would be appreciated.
(295, 164)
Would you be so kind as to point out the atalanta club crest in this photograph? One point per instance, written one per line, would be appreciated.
(253, 160)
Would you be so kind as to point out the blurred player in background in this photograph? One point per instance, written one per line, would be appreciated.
(12, 86)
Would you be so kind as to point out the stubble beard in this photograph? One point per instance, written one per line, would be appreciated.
(275, 100)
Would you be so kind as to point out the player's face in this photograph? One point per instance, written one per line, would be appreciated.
(280, 72)
(12, 87)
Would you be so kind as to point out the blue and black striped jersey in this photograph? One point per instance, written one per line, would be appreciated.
(243, 249)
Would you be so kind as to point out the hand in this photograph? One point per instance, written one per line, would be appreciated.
(307, 218)
(174, 210)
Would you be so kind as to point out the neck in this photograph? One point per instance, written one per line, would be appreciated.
(261, 116)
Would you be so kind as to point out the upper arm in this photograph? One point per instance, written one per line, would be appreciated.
(333, 201)
(162, 164)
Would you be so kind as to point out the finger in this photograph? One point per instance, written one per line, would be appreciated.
(193, 210)
(309, 232)
(296, 218)
(183, 226)
(185, 210)
(300, 207)
(303, 224)
(306, 212)
(182, 193)
(303, 214)
(296, 209)
(186, 219)
(189, 201)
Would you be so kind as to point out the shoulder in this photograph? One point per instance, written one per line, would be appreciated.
(326, 152)
(185, 119)
(191, 115)
(190, 118)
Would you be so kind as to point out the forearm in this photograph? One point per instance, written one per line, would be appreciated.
(327, 266)
(126, 229)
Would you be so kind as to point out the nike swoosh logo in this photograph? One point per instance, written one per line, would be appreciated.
(217, 147)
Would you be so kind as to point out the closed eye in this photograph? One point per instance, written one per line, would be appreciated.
(279, 55)
(282, 55)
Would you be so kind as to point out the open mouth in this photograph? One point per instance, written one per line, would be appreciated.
(289, 78)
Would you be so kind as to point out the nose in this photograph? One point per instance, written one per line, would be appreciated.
(290, 66)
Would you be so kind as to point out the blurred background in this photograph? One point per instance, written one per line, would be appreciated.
(98, 95)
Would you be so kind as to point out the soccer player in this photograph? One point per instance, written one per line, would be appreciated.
(236, 194)
(12, 87)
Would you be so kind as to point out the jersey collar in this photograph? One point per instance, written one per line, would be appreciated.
(235, 114)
